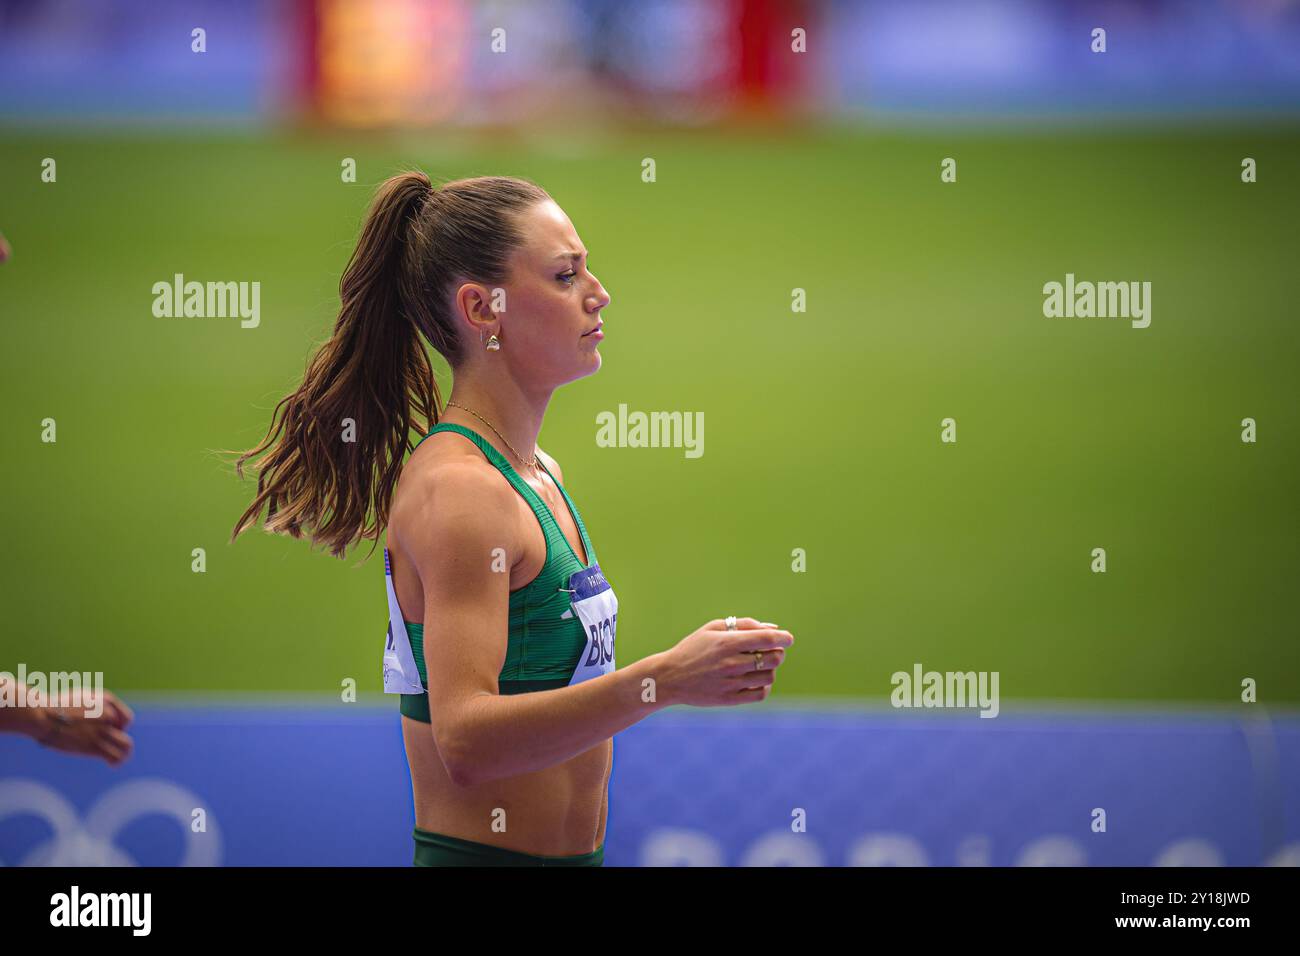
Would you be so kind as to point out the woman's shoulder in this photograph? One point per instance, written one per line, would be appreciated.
(442, 479)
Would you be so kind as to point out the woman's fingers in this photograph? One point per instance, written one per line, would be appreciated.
(96, 736)
(748, 695)
(122, 714)
(742, 623)
(117, 737)
(759, 639)
(114, 745)
(744, 662)
(753, 679)
(733, 665)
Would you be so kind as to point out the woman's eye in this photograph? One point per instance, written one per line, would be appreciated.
(568, 276)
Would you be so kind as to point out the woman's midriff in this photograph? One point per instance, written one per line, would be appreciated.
(559, 811)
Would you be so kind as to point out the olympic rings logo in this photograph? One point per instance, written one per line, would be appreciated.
(90, 842)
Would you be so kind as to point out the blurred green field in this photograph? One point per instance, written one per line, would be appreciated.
(821, 429)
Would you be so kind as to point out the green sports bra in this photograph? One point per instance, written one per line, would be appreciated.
(545, 642)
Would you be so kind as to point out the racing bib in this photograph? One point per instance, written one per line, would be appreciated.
(593, 602)
(400, 674)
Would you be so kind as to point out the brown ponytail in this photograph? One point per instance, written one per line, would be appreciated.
(374, 369)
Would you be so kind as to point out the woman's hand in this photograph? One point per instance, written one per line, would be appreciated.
(74, 730)
(715, 667)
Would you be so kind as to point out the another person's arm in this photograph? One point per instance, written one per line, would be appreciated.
(96, 731)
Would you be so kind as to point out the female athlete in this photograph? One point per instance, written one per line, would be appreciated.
(501, 621)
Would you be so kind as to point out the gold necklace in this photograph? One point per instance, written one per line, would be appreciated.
(532, 464)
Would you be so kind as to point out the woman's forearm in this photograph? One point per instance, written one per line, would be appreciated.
(27, 720)
(504, 736)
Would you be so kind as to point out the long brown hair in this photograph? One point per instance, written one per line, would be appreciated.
(374, 369)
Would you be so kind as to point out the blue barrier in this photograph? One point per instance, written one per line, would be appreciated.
(763, 786)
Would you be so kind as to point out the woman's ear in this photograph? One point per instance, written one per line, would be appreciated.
(473, 305)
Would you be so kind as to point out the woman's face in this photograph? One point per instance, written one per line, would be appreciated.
(552, 301)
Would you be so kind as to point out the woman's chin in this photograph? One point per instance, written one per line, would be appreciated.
(591, 364)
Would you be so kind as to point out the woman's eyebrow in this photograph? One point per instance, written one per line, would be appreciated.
(570, 255)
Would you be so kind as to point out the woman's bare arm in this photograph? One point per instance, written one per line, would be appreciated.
(97, 728)
(28, 721)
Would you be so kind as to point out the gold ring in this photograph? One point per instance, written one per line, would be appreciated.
(758, 660)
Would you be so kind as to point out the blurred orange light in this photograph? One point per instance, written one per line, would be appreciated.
(390, 61)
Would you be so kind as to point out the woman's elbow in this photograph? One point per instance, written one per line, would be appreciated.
(461, 773)
(462, 758)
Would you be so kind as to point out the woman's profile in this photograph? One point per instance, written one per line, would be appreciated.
(502, 621)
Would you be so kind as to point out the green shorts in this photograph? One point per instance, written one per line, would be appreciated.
(434, 849)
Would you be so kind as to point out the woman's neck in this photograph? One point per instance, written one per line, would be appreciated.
(509, 416)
